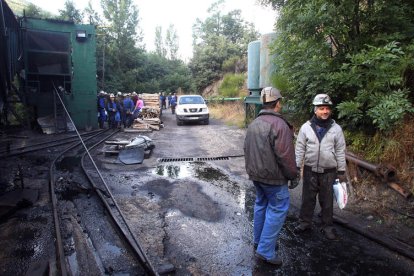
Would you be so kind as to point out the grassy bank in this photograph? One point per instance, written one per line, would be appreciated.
(231, 113)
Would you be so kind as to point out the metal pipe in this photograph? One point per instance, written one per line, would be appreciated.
(399, 189)
(386, 172)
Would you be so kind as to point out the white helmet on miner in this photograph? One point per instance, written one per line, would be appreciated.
(322, 99)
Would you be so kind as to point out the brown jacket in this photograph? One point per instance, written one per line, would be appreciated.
(269, 150)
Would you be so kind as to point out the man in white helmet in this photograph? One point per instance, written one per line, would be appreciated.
(270, 164)
(320, 147)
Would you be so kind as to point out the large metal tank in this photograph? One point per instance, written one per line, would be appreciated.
(253, 66)
(267, 67)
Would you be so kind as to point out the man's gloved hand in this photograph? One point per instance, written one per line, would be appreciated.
(342, 177)
(295, 182)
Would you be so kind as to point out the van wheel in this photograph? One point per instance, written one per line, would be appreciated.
(179, 123)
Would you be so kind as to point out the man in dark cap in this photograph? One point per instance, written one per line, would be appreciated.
(270, 164)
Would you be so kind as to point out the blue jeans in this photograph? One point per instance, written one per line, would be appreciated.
(270, 211)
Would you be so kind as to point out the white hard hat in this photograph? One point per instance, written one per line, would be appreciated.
(322, 99)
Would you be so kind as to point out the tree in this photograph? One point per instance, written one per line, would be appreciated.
(124, 45)
(91, 16)
(356, 51)
(219, 40)
(159, 42)
(158, 73)
(172, 42)
(34, 11)
(70, 13)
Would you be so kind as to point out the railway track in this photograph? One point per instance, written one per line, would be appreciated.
(20, 150)
(92, 234)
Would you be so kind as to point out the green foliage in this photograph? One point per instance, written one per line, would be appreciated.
(280, 82)
(70, 13)
(231, 85)
(167, 47)
(229, 65)
(360, 53)
(171, 41)
(160, 74)
(91, 15)
(127, 66)
(351, 111)
(375, 100)
(31, 10)
(390, 109)
(218, 42)
(159, 42)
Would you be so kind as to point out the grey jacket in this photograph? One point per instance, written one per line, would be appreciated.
(327, 154)
(269, 149)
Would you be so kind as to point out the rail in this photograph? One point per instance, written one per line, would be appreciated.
(223, 100)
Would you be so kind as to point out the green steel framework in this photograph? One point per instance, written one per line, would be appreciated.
(60, 53)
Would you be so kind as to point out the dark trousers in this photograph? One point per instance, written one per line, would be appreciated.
(320, 184)
(111, 120)
(128, 119)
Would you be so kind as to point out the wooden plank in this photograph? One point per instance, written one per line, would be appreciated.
(154, 127)
(132, 130)
(390, 242)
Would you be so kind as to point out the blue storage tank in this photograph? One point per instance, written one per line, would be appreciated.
(267, 67)
(253, 66)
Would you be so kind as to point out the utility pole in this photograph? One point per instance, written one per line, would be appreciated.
(103, 64)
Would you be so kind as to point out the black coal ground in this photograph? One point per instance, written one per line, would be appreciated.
(196, 216)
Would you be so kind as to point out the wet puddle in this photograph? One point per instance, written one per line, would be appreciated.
(175, 171)
(197, 169)
(204, 172)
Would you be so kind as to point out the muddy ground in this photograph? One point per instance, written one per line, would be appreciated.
(197, 215)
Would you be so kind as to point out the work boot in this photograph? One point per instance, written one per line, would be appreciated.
(275, 261)
(302, 227)
(330, 233)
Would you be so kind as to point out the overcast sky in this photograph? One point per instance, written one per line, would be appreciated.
(181, 13)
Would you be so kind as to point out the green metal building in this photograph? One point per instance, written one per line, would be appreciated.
(60, 54)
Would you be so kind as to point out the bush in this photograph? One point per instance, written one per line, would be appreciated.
(232, 85)
(375, 75)
(229, 65)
